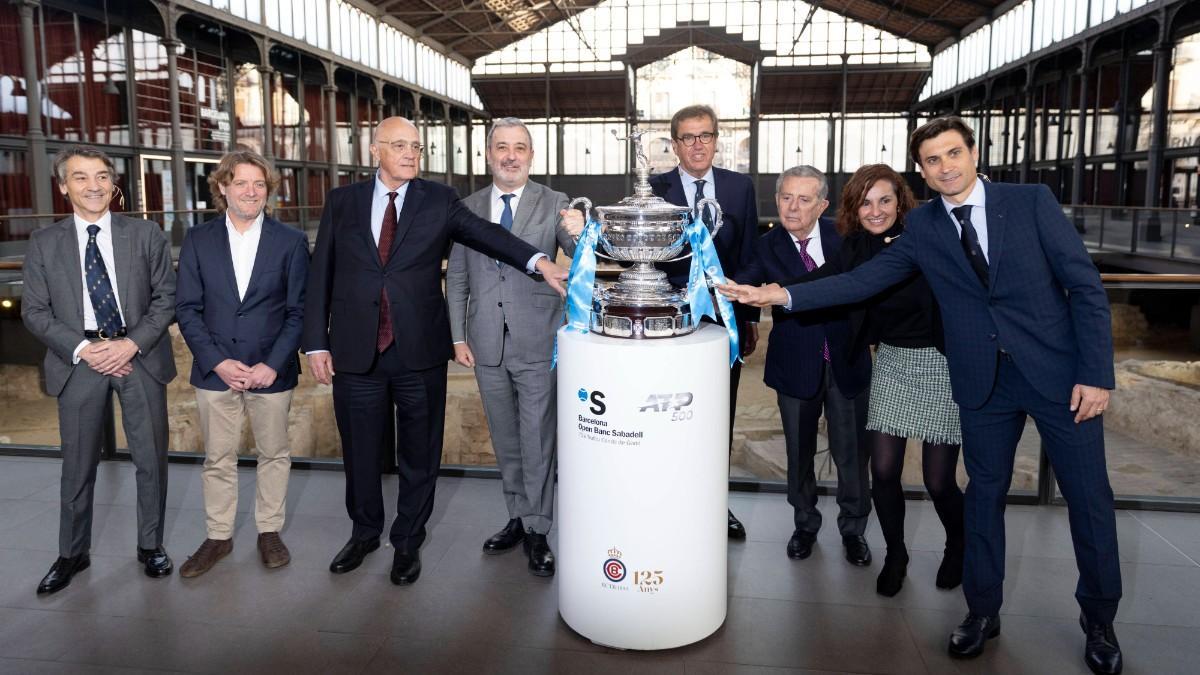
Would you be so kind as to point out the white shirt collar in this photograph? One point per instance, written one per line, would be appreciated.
(814, 235)
(105, 222)
(497, 194)
(688, 179)
(977, 199)
(255, 227)
(381, 190)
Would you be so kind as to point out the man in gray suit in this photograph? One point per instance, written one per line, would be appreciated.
(503, 324)
(99, 293)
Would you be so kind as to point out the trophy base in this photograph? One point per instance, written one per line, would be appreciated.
(642, 321)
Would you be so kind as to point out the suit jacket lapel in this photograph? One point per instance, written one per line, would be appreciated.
(525, 208)
(70, 253)
(266, 243)
(122, 254)
(412, 204)
(996, 214)
(365, 199)
(950, 237)
(785, 249)
(675, 189)
(224, 258)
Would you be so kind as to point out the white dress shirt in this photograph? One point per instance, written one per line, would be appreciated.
(689, 186)
(498, 203)
(978, 202)
(105, 243)
(243, 248)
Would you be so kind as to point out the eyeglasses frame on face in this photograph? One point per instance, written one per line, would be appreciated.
(689, 140)
(401, 146)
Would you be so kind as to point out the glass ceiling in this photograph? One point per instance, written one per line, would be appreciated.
(788, 34)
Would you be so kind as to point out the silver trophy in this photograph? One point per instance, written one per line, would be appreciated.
(643, 229)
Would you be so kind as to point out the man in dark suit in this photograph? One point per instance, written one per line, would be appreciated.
(1028, 333)
(694, 136)
(374, 307)
(810, 367)
(99, 292)
(240, 304)
(504, 324)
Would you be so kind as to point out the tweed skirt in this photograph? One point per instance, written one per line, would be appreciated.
(910, 395)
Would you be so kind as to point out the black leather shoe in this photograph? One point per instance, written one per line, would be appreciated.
(891, 578)
(156, 561)
(1102, 652)
(541, 558)
(406, 568)
(857, 551)
(59, 576)
(800, 545)
(966, 642)
(352, 555)
(736, 529)
(949, 574)
(505, 539)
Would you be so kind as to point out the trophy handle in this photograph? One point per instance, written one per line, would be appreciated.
(720, 220)
(587, 213)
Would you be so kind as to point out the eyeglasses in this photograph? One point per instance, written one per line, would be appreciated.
(401, 146)
(690, 139)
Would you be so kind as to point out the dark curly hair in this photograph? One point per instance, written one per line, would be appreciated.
(857, 188)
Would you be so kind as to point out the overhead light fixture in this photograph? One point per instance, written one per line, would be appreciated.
(18, 88)
(883, 148)
(110, 87)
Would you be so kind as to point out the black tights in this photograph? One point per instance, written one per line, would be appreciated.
(939, 462)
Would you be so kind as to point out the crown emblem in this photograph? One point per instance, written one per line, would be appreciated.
(614, 552)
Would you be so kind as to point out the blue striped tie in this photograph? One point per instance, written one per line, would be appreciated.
(100, 290)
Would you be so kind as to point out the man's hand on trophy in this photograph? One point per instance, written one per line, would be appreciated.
(572, 221)
(553, 274)
(756, 296)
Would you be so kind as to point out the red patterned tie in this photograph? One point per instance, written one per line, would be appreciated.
(810, 265)
(387, 235)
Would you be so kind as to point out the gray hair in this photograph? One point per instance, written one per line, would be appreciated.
(85, 151)
(805, 171)
(501, 122)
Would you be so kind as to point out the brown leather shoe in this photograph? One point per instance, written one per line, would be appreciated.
(205, 557)
(274, 553)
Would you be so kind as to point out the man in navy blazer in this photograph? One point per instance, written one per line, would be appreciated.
(240, 304)
(810, 366)
(1028, 333)
(694, 136)
(375, 308)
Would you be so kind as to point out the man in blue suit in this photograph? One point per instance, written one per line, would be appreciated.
(1028, 333)
(240, 304)
(694, 136)
(811, 367)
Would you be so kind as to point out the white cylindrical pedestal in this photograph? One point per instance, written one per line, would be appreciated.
(643, 481)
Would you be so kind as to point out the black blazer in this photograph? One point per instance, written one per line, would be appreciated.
(262, 328)
(734, 241)
(795, 361)
(341, 309)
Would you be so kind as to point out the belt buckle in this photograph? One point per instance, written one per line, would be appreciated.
(103, 335)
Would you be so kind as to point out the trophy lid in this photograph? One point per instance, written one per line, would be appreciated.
(643, 204)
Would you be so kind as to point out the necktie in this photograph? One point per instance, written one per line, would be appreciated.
(387, 236)
(703, 213)
(506, 216)
(810, 265)
(970, 243)
(100, 290)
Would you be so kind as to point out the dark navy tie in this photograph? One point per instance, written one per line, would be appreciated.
(506, 217)
(970, 243)
(703, 213)
(100, 290)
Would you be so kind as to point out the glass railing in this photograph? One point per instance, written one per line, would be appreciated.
(1160, 233)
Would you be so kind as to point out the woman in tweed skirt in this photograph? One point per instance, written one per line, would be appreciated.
(910, 384)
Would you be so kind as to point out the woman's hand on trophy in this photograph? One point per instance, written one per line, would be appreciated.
(755, 296)
(572, 221)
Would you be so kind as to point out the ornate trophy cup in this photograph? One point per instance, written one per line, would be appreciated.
(643, 229)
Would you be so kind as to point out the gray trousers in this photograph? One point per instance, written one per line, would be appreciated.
(518, 398)
(845, 420)
(81, 425)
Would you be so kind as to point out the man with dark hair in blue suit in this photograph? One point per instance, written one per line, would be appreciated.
(694, 137)
(1028, 333)
(240, 303)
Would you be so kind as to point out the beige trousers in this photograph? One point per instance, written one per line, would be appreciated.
(221, 415)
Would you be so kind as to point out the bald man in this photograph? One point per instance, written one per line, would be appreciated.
(375, 312)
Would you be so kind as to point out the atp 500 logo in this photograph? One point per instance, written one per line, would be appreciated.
(597, 399)
(676, 404)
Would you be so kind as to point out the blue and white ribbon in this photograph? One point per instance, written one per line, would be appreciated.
(581, 284)
(707, 267)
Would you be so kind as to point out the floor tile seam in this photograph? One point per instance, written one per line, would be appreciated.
(1074, 620)
(139, 668)
(1167, 541)
(759, 665)
(913, 638)
(817, 603)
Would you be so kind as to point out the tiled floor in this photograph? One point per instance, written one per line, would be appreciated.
(471, 613)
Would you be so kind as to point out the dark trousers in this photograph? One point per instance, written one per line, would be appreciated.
(363, 404)
(846, 419)
(81, 425)
(1076, 451)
